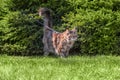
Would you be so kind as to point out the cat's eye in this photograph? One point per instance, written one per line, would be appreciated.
(70, 32)
(67, 33)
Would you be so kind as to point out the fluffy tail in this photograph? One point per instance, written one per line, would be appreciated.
(46, 14)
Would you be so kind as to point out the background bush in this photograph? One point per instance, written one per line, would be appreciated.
(98, 23)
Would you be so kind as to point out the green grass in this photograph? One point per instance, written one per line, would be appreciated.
(50, 68)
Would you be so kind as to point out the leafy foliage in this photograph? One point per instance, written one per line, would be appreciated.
(97, 22)
(98, 25)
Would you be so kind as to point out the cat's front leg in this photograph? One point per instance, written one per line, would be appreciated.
(67, 53)
(62, 55)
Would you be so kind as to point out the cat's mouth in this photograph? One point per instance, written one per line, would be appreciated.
(73, 39)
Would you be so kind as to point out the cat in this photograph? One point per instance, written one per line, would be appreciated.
(56, 42)
(64, 41)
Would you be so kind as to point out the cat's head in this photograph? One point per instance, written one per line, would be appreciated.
(44, 12)
(71, 35)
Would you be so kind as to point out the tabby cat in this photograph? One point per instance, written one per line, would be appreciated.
(56, 42)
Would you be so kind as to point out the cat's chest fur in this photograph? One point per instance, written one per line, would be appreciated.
(60, 43)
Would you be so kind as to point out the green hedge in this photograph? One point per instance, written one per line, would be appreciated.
(98, 23)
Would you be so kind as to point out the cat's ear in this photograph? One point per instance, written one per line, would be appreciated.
(75, 28)
(67, 28)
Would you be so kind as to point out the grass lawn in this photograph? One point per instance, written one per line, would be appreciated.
(50, 68)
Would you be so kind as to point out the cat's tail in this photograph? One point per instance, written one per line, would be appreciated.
(46, 15)
(44, 12)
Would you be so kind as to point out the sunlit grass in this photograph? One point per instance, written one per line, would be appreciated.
(50, 68)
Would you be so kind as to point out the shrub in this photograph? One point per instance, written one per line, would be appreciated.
(97, 22)
(20, 28)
